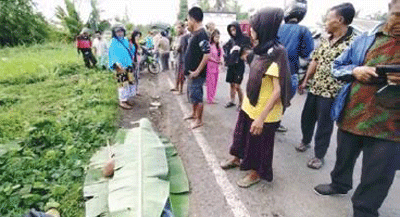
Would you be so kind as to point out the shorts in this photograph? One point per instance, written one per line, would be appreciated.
(235, 73)
(195, 90)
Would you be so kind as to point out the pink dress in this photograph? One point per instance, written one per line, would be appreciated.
(213, 71)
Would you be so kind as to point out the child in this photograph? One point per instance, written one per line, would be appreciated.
(214, 61)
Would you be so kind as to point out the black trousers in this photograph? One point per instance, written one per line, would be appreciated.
(88, 57)
(317, 109)
(378, 170)
(165, 61)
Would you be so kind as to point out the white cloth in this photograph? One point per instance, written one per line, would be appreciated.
(127, 91)
(100, 46)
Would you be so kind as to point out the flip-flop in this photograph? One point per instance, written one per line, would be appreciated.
(126, 107)
(188, 118)
(229, 165)
(229, 104)
(195, 126)
(247, 182)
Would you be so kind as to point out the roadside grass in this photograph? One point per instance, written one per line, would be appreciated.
(54, 115)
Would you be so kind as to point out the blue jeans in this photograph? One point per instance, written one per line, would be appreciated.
(295, 84)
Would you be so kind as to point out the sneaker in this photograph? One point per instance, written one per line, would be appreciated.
(315, 163)
(282, 129)
(302, 147)
(327, 189)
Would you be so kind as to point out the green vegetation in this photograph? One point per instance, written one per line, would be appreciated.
(54, 115)
(20, 24)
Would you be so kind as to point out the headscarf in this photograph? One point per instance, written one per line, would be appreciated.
(266, 24)
(133, 41)
(239, 38)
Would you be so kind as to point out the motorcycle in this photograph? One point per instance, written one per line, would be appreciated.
(149, 61)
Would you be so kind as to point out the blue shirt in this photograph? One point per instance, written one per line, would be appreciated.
(298, 42)
(120, 52)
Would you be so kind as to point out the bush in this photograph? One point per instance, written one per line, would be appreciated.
(50, 128)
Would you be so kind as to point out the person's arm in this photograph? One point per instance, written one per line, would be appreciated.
(312, 68)
(345, 64)
(258, 124)
(205, 48)
(306, 44)
(201, 66)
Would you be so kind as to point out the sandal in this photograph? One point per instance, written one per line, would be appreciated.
(230, 164)
(229, 104)
(315, 163)
(196, 125)
(247, 182)
(191, 117)
(125, 105)
(302, 147)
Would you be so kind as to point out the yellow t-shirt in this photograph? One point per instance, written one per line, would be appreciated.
(265, 94)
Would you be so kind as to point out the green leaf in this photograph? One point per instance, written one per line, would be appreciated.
(180, 204)
(142, 178)
(39, 185)
(59, 190)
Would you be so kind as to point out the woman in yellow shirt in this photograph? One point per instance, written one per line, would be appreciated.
(266, 98)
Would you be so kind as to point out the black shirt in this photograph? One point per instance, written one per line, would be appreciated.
(197, 47)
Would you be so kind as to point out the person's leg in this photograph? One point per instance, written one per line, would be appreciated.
(167, 60)
(240, 94)
(348, 149)
(86, 59)
(308, 119)
(123, 94)
(215, 81)
(92, 58)
(232, 92)
(199, 101)
(295, 84)
(209, 84)
(378, 172)
(190, 94)
(259, 156)
(324, 126)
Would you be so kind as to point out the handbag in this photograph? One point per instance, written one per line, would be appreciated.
(340, 102)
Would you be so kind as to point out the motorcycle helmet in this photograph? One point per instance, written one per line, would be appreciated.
(116, 27)
(296, 9)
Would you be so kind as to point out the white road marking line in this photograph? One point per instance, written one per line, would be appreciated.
(231, 196)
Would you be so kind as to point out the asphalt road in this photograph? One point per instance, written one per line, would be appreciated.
(291, 192)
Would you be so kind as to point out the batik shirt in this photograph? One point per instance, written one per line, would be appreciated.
(323, 83)
(367, 113)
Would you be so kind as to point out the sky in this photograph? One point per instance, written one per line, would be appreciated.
(151, 11)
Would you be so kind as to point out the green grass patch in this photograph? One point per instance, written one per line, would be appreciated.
(54, 115)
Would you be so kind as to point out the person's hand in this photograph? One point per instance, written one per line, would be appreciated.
(364, 73)
(393, 78)
(192, 74)
(302, 87)
(257, 127)
(234, 48)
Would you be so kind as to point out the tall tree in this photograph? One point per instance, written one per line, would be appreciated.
(204, 5)
(70, 18)
(183, 10)
(94, 17)
(20, 24)
(220, 5)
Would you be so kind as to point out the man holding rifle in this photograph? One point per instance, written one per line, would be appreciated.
(370, 120)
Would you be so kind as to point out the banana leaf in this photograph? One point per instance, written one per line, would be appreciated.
(147, 172)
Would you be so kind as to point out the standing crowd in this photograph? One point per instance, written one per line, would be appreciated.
(351, 80)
